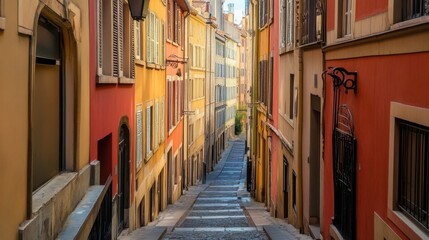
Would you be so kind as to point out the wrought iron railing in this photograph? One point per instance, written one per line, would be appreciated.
(102, 228)
(414, 9)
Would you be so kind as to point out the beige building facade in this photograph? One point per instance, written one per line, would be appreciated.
(47, 49)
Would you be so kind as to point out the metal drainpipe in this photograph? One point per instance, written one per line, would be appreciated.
(299, 120)
(185, 103)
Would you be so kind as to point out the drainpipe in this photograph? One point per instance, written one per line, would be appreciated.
(299, 120)
(185, 103)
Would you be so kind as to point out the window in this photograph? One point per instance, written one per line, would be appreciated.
(309, 23)
(283, 23)
(263, 13)
(344, 18)
(413, 9)
(191, 134)
(156, 135)
(290, 18)
(291, 95)
(176, 170)
(139, 136)
(270, 86)
(52, 137)
(149, 129)
(294, 190)
(413, 171)
(155, 35)
(162, 107)
(408, 186)
(2, 19)
(115, 42)
(138, 53)
(169, 19)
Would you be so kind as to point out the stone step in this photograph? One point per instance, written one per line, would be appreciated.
(215, 222)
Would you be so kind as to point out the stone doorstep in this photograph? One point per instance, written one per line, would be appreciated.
(276, 233)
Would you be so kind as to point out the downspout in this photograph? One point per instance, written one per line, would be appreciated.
(299, 120)
(185, 103)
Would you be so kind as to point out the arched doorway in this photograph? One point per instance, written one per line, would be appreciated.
(123, 177)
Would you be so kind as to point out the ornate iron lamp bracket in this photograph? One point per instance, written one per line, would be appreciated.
(174, 61)
(342, 77)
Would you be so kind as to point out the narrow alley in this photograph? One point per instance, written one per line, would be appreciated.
(220, 209)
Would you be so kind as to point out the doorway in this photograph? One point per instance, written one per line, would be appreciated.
(315, 160)
(123, 177)
(169, 177)
(285, 187)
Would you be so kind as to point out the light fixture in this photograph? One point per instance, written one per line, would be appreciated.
(138, 8)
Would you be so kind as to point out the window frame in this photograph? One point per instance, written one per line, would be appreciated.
(2, 16)
(149, 144)
(344, 14)
(110, 44)
(419, 116)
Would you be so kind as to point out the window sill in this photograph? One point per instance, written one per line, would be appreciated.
(175, 44)
(139, 62)
(407, 226)
(150, 65)
(410, 23)
(2, 23)
(148, 157)
(125, 80)
(46, 193)
(102, 79)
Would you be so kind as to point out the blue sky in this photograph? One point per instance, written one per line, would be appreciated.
(238, 9)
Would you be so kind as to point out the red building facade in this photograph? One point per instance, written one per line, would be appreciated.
(112, 103)
(175, 95)
(375, 159)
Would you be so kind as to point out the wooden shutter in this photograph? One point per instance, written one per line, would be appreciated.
(137, 40)
(162, 119)
(132, 51)
(139, 133)
(156, 124)
(121, 37)
(147, 22)
(163, 44)
(148, 129)
(157, 41)
(115, 39)
(100, 37)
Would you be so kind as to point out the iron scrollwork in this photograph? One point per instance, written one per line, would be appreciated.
(174, 61)
(342, 77)
(344, 153)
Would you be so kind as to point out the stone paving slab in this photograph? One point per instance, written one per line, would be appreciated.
(226, 222)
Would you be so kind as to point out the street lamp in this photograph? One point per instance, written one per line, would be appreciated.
(138, 8)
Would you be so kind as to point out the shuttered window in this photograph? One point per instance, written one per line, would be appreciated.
(149, 130)
(156, 124)
(162, 44)
(139, 136)
(290, 18)
(138, 40)
(115, 41)
(162, 107)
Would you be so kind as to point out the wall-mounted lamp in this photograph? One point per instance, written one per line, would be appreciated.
(138, 8)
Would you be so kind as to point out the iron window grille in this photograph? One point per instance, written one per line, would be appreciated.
(413, 172)
(414, 9)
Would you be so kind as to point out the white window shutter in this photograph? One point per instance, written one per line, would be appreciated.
(139, 133)
(156, 124)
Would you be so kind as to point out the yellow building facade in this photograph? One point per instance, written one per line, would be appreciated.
(150, 197)
(38, 202)
(196, 96)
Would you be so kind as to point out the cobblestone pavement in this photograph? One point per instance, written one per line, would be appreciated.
(217, 212)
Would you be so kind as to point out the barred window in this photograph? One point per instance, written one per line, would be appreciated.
(413, 172)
